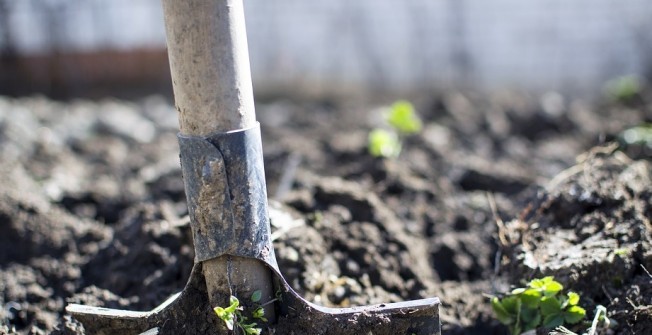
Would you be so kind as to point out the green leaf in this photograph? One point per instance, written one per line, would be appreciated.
(383, 143)
(531, 298)
(219, 311)
(259, 313)
(532, 323)
(636, 135)
(574, 314)
(552, 287)
(550, 305)
(537, 283)
(403, 117)
(528, 314)
(541, 303)
(224, 315)
(563, 300)
(501, 313)
(229, 321)
(547, 279)
(553, 320)
(228, 314)
(624, 88)
(251, 329)
(547, 284)
(512, 304)
(573, 298)
(256, 296)
(518, 290)
(234, 304)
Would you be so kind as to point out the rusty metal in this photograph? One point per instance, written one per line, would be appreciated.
(225, 185)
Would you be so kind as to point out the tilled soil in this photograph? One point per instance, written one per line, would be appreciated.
(493, 192)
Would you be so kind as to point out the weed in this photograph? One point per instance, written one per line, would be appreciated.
(541, 303)
(232, 315)
(403, 121)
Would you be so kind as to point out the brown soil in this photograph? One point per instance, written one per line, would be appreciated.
(92, 206)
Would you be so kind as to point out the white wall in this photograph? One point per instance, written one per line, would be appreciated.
(40, 25)
(398, 45)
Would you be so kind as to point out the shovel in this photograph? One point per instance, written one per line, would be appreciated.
(222, 166)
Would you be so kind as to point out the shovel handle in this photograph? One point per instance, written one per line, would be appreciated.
(209, 63)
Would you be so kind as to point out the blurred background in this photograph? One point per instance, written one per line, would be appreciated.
(98, 48)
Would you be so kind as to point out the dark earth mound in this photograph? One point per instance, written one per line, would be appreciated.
(92, 206)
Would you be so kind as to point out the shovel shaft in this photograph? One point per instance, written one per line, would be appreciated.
(209, 62)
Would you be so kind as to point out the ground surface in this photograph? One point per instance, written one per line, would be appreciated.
(92, 206)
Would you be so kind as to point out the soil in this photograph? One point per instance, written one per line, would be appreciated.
(494, 191)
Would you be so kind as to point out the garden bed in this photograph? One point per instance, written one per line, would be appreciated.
(493, 191)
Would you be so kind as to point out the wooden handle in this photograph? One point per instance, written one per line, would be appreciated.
(209, 62)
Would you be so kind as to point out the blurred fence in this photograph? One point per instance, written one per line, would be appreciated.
(322, 47)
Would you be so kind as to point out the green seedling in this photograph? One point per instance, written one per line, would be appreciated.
(639, 135)
(599, 318)
(541, 303)
(624, 89)
(233, 315)
(622, 252)
(228, 314)
(404, 118)
(403, 121)
(384, 143)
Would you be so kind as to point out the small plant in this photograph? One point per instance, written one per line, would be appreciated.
(403, 121)
(232, 315)
(403, 118)
(384, 143)
(624, 89)
(600, 317)
(621, 252)
(638, 135)
(541, 303)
